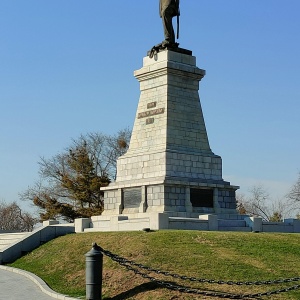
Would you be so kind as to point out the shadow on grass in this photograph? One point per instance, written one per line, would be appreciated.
(149, 286)
(136, 290)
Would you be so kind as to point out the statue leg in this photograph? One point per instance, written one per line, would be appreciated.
(167, 15)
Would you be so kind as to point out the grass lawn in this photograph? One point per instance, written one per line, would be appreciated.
(227, 256)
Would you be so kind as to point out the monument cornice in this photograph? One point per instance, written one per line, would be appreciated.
(170, 68)
(172, 181)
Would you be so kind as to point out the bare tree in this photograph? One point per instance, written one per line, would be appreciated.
(13, 218)
(256, 205)
(117, 145)
(240, 203)
(69, 184)
(261, 205)
(294, 193)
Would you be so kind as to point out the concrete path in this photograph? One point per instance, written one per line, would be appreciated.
(17, 284)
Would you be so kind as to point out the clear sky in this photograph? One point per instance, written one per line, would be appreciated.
(66, 68)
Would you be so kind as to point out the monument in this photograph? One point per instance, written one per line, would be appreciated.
(169, 177)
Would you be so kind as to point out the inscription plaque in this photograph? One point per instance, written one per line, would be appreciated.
(151, 105)
(132, 197)
(202, 198)
(149, 121)
(152, 112)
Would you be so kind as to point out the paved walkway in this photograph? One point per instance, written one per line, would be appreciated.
(16, 284)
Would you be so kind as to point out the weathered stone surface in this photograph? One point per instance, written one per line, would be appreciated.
(169, 153)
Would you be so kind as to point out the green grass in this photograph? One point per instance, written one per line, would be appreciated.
(213, 255)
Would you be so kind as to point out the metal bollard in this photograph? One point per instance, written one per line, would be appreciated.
(93, 273)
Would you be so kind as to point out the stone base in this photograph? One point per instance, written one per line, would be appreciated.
(178, 197)
(157, 221)
(153, 221)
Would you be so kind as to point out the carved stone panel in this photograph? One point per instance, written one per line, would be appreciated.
(132, 197)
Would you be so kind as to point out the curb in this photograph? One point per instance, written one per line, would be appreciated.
(39, 282)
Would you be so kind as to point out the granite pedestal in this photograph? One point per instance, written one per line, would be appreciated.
(169, 170)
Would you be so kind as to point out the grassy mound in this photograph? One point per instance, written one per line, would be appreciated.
(226, 256)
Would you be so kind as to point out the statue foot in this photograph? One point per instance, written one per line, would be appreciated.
(164, 45)
(168, 44)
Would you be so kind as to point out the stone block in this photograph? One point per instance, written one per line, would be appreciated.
(213, 222)
(277, 227)
(256, 224)
(159, 221)
(295, 223)
(50, 222)
(81, 224)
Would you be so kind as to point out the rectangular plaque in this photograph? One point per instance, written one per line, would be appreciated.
(151, 105)
(202, 198)
(132, 197)
(152, 112)
(149, 121)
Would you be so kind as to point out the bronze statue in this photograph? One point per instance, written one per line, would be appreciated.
(167, 10)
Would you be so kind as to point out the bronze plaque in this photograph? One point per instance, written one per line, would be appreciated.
(151, 105)
(132, 197)
(149, 121)
(152, 112)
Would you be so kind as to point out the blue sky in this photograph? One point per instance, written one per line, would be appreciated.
(66, 68)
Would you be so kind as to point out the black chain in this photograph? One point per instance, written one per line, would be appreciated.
(180, 288)
(122, 260)
(185, 289)
(174, 286)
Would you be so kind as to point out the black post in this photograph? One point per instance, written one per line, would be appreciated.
(93, 274)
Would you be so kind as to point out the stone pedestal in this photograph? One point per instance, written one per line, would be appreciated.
(169, 167)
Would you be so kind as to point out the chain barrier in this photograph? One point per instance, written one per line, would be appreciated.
(193, 279)
(128, 264)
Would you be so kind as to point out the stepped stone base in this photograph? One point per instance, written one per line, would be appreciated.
(156, 221)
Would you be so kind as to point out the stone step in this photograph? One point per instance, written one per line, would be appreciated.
(231, 223)
(232, 216)
(7, 239)
(12, 235)
(242, 229)
(97, 229)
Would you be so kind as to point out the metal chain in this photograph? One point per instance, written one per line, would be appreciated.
(177, 287)
(120, 260)
(185, 289)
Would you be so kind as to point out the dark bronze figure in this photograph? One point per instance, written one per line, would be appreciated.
(167, 10)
